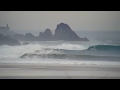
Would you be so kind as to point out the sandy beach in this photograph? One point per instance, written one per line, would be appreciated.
(38, 71)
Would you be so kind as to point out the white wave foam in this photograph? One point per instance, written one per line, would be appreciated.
(17, 51)
(14, 52)
(72, 47)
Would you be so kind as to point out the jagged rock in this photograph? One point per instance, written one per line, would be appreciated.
(6, 40)
(47, 35)
(19, 37)
(64, 32)
(29, 37)
(41, 34)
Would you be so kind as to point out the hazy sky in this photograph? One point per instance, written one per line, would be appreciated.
(77, 20)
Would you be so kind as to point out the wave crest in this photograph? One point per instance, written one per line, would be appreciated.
(104, 47)
(67, 56)
(72, 47)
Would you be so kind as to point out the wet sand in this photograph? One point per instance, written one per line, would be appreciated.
(39, 71)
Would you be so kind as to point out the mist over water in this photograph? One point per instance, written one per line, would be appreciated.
(99, 51)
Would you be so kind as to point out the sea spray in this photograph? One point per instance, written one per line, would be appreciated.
(60, 52)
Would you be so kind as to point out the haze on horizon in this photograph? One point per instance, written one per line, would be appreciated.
(37, 21)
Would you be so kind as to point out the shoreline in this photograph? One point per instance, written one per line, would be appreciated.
(39, 71)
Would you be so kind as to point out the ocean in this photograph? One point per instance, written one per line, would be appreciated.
(103, 49)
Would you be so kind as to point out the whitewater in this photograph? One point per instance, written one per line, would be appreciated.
(91, 53)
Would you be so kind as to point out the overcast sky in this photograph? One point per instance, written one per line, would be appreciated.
(77, 20)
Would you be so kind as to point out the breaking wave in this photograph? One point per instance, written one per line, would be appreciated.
(105, 47)
(57, 51)
(66, 56)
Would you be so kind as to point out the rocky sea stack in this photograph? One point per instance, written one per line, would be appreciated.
(46, 36)
(62, 32)
(7, 40)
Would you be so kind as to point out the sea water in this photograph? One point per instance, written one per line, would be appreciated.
(101, 50)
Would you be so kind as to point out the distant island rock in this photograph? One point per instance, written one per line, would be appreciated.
(7, 40)
(46, 36)
(29, 37)
(19, 37)
(62, 32)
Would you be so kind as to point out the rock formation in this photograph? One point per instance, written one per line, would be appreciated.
(19, 37)
(29, 37)
(46, 36)
(64, 32)
(7, 40)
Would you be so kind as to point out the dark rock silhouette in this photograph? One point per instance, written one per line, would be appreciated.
(7, 40)
(64, 32)
(46, 36)
(41, 34)
(48, 33)
(29, 37)
(19, 37)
